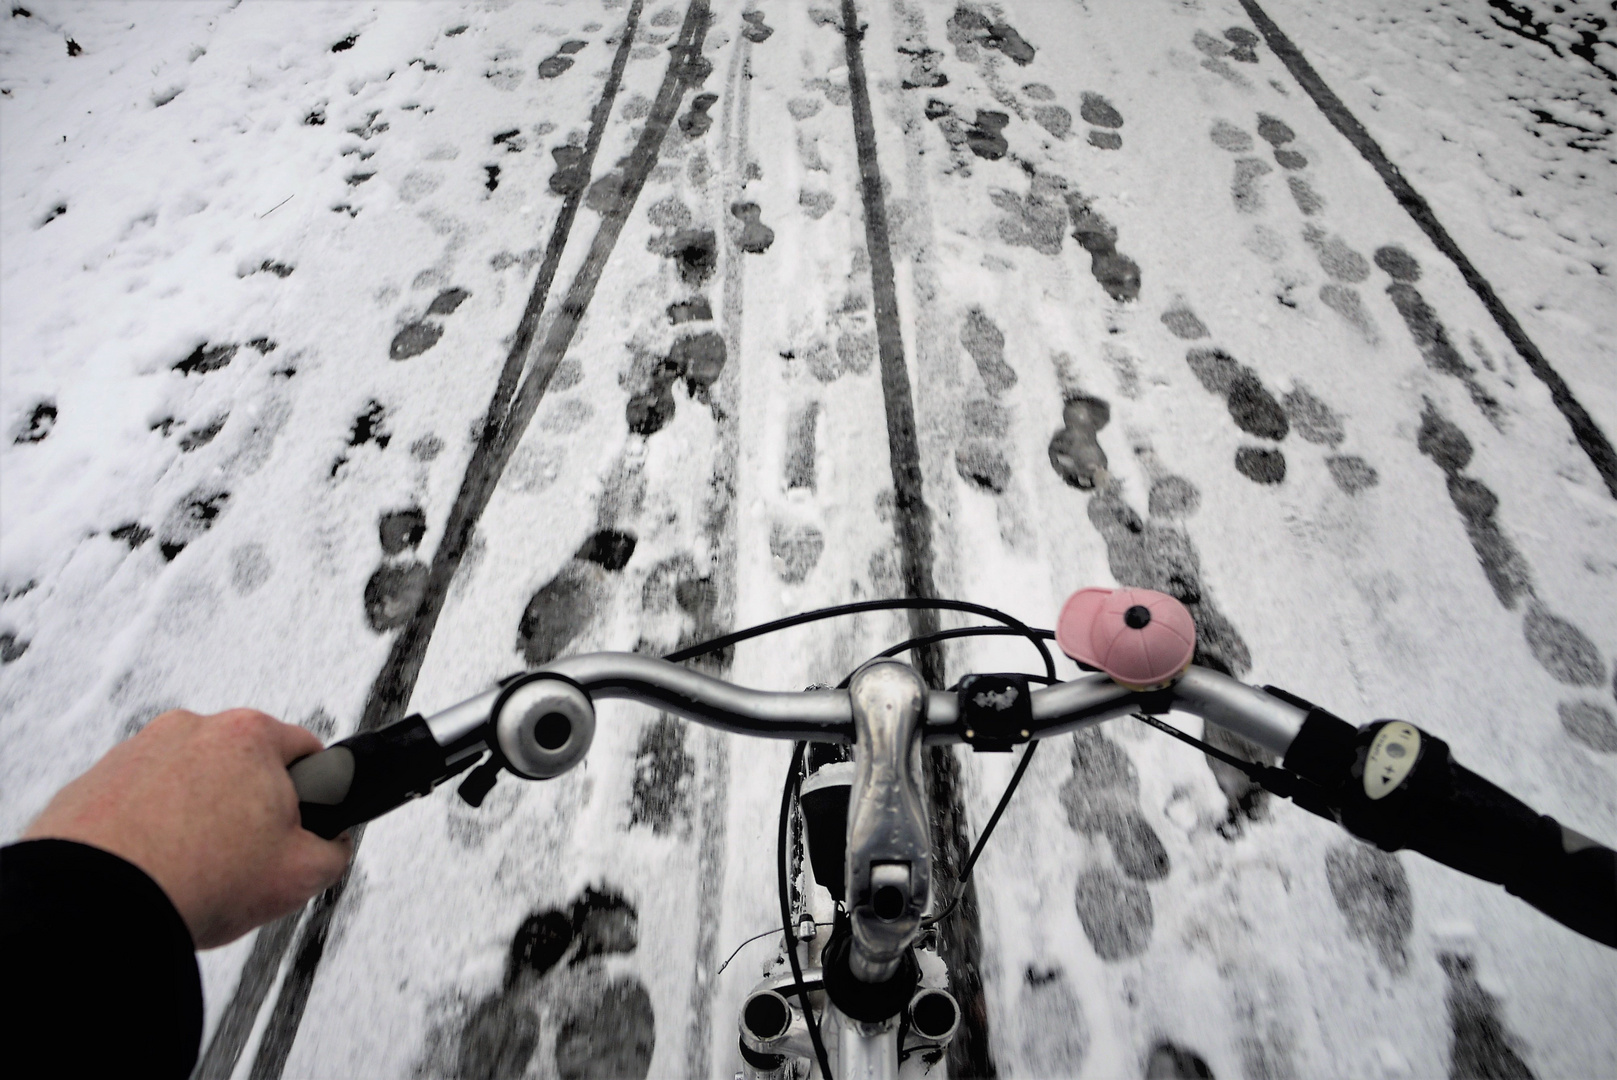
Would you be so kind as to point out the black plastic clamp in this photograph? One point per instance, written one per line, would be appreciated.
(996, 711)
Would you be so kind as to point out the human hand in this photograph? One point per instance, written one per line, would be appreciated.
(204, 805)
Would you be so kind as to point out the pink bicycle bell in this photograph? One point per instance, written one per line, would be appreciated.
(1143, 639)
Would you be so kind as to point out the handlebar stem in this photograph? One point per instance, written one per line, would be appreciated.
(889, 875)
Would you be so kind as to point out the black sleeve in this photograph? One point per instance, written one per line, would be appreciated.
(99, 969)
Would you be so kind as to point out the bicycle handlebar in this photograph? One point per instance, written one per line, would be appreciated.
(1389, 783)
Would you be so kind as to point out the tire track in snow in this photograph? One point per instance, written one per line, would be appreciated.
(1584, 428)
(720, 533)
(912, 516)
(391, 691)
(960, 939)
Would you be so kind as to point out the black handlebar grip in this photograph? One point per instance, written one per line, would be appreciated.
(365, 776)
(1396, 786)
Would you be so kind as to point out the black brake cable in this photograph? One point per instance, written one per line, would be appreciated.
(724, 641)
(982, 838)
(1012, 626)
(971, 631)
(756, 937)
(1021, 766)
(1279, 781)
(801, 990)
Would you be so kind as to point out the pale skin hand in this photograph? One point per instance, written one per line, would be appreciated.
(205, 806)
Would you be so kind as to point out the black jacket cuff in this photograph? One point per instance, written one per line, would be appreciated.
(99, 967)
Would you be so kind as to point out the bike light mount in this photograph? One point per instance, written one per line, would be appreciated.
(996, 711)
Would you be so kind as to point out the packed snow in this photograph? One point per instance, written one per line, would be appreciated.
(262, 266)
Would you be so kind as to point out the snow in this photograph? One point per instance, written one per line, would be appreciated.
(232, 178)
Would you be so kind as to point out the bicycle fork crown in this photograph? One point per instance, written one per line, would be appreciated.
(889, 878)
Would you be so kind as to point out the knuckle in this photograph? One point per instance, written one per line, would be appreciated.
(172, 719)
(247, 723)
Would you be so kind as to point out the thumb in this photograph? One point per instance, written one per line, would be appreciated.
(323, 862)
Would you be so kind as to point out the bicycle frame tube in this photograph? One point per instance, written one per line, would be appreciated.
(867, 1051)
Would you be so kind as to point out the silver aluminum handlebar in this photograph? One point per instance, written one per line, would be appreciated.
(827, 715)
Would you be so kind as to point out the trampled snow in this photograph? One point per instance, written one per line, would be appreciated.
(262, 265)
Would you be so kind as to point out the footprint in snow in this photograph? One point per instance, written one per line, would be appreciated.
(1102, 798)
(969, 30)
(12, 647)
(1038, 220)
(924, 70)
(419, 335)
(816, 204)
(1169, 1061)
(1244, 44)
(796, 550)
(695, 252)
(38, 425)
(755, 237)
(397, 586)
(1102, 113)
(1118, 274)
(1590, 723)
(250, 568)
(564, 606)
(756, 31)
(1561, 648)
(1055, 1031)
(1116, 913)
(1278, 134)
(985, 343)
(677, 608)
(698, 359)
(552, 66)
(1053, 118)
(696, 121)
(1075, 451)
(190, 518)
(1372, 891)
(1214, 53)
(1481, 1045)
(557, 984)
(801, 448)
(1251, 405)
(1347, 268)
(980, 459)
(205, 358)
(571, 173)
(984, 137)
(1431, 337)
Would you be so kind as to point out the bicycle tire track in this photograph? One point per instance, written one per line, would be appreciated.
(911, 515)
(1584, 429)
(391, 692)
(409, 648)
(960, 939)
(716, 615)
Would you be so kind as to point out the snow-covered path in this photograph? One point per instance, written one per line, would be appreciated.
(264, 267)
